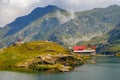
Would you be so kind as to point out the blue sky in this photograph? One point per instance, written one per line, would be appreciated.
(11, 9)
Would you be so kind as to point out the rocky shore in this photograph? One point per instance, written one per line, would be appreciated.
(39, 56)
(53, 63)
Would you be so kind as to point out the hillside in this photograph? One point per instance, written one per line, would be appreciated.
(38, 25)
(107, 44)
(113, 43)
(38, 56)
(29, 50)
(67, 28)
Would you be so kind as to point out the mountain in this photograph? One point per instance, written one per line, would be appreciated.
(22, 22)
(67, 28)
(28, 25)
(113, 43)
(115, 34)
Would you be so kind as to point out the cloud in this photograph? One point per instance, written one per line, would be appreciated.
(63, 18)
(11, 9)
(80, 5)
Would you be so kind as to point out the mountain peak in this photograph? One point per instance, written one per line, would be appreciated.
(52, 6)
(26, 20)
(114, 6)
(48, 8)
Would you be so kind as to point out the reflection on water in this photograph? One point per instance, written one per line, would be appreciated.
(104, 68)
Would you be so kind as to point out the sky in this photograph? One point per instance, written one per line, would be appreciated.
(11, 9)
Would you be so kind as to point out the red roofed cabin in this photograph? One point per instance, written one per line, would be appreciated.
(85, 49)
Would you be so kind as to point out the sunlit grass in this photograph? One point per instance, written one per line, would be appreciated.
(14, 54)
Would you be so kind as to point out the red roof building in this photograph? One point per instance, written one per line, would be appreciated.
(84, 49)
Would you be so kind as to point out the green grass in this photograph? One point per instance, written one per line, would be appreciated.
(113, 47)
(14, 54)
(95, 41)
(118, 54)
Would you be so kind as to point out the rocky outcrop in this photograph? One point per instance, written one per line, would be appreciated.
(52, 63)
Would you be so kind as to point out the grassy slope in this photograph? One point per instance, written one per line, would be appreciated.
(95, 41)
(106, 48)
(118, 54)
(14, 54)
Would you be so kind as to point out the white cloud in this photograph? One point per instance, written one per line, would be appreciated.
(79, 5)
(63, 18)
(11, 9)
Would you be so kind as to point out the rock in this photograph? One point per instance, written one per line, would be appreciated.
(1, 50)
(65, 68)
(62, 63)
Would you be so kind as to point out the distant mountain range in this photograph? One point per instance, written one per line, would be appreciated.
(99, 26)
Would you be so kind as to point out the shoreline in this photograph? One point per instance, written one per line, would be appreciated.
(47, 66)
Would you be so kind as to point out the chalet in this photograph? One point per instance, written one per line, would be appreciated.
(19, 41)
(85, 49)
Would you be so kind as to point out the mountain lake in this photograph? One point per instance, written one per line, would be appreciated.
(103, 68)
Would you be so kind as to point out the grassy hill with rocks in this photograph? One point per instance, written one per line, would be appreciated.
(38, 56)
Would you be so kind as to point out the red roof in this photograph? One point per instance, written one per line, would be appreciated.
(77, 48)
(93, 47)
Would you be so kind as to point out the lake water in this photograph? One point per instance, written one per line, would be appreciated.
(105, 68)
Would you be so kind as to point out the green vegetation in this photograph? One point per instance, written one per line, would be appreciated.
(118, 54)
(39, 56)
(13, 54)
(95, 40)
(109, 49)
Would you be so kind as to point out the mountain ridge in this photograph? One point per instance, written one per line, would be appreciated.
(27, 19)
(63, 26)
